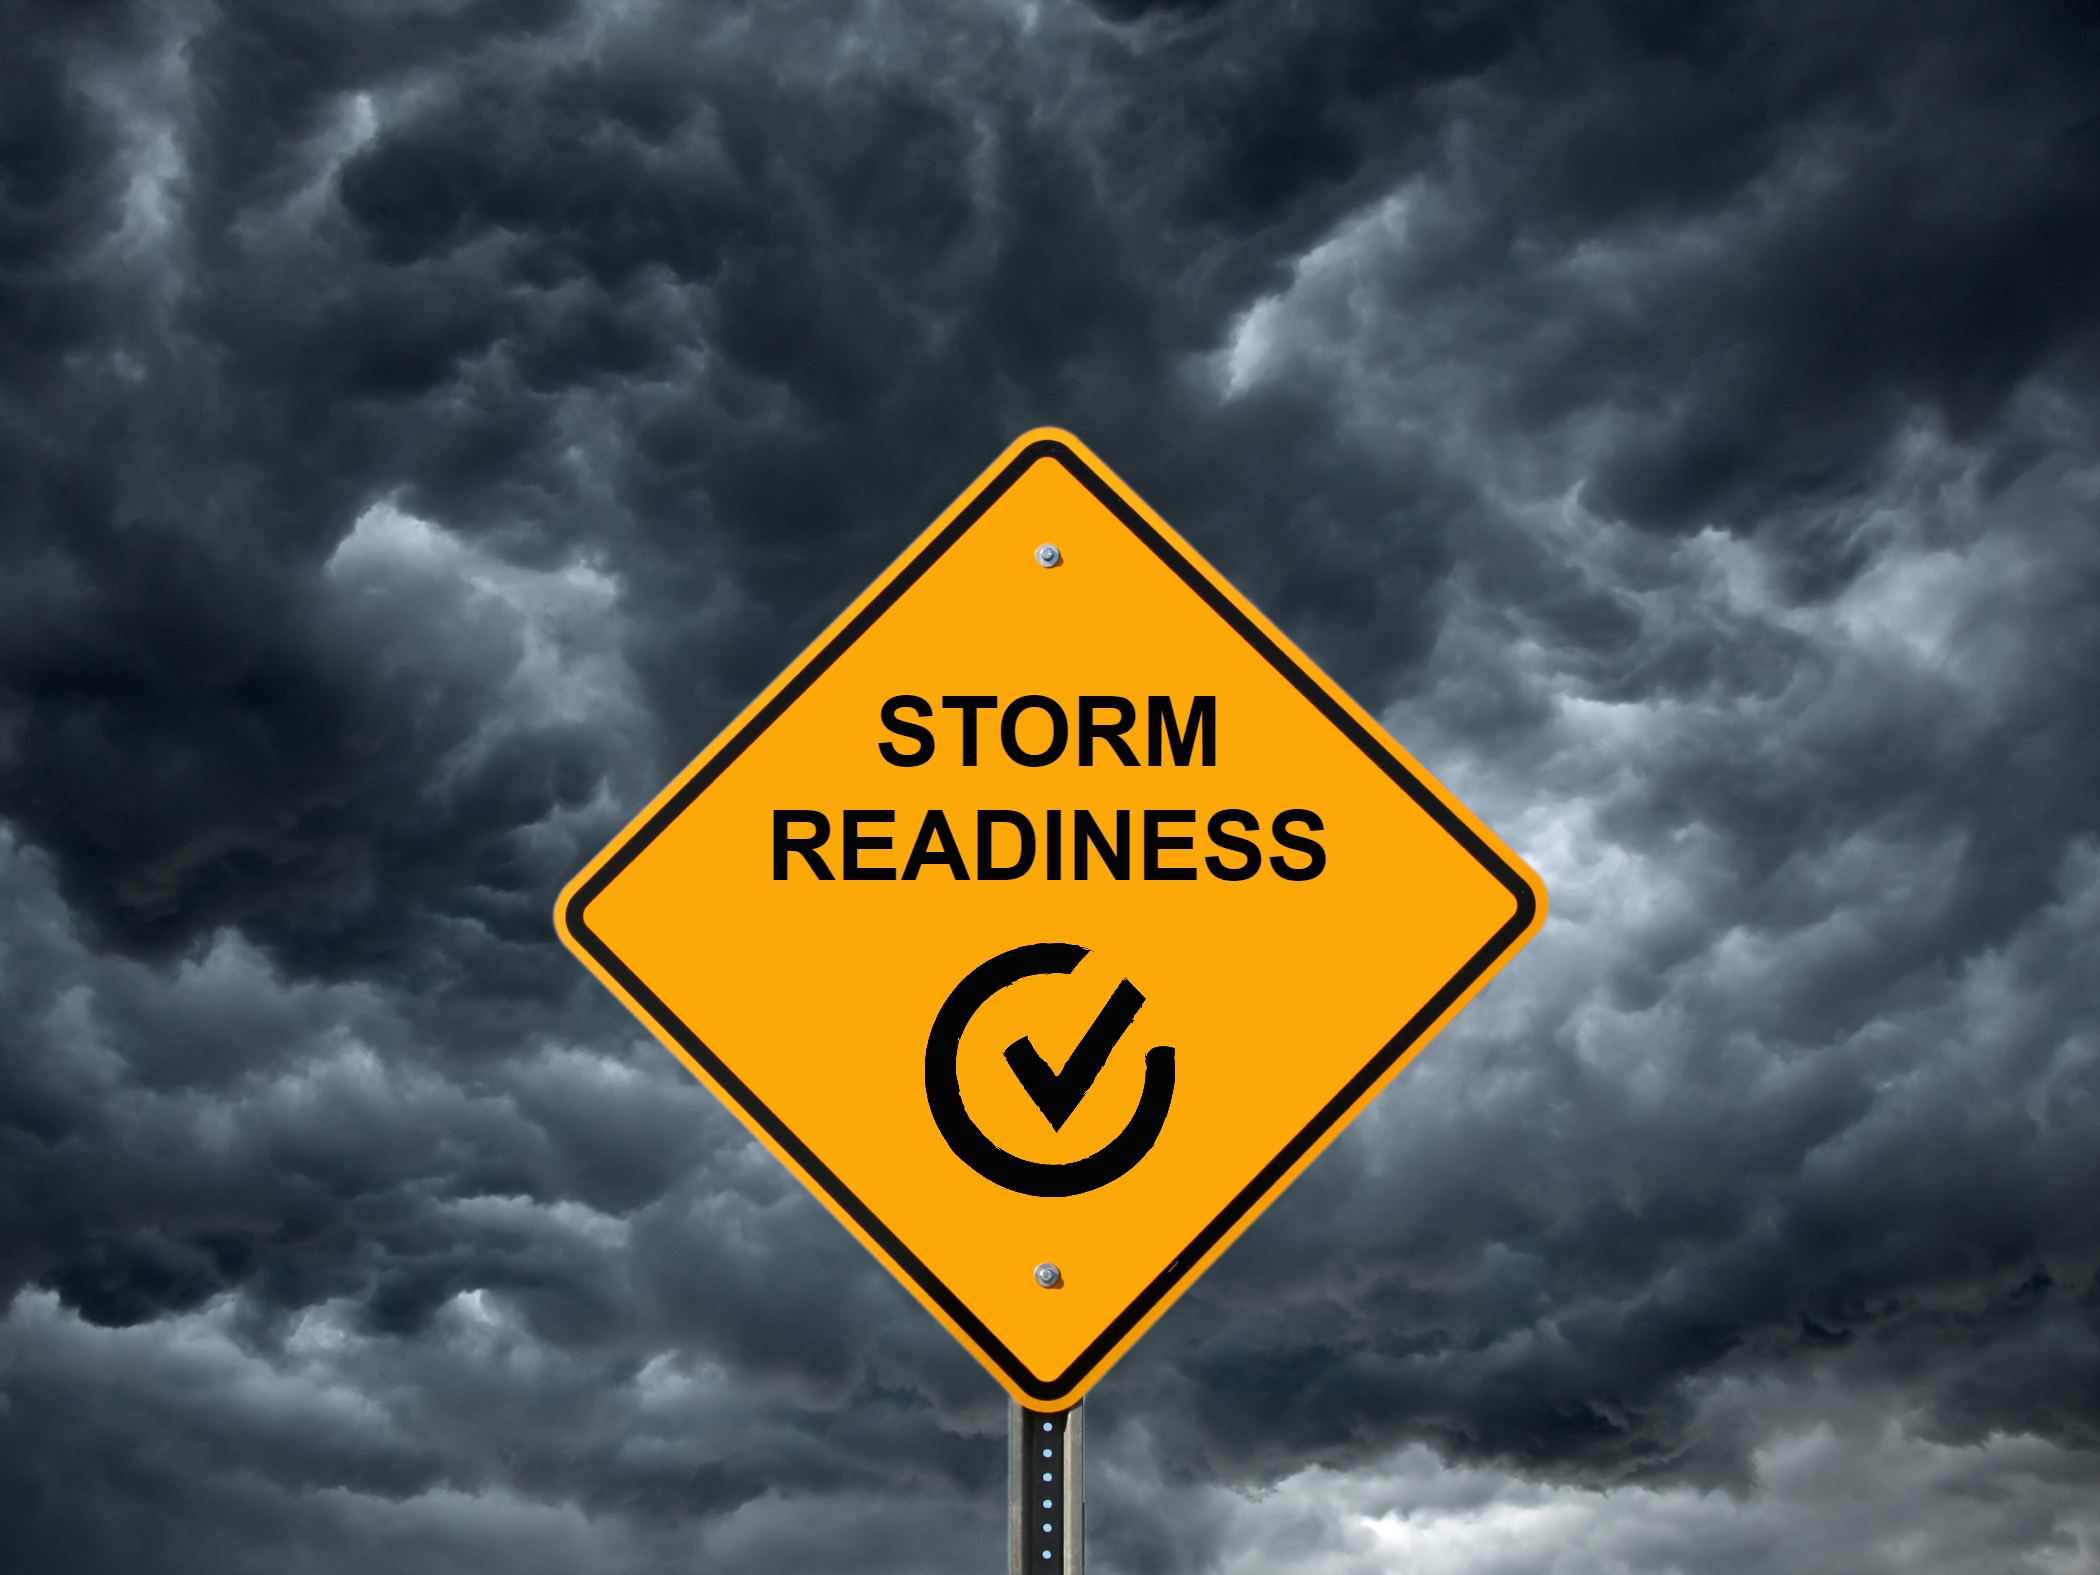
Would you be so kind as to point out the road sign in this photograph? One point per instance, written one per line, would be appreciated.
(1049, 915)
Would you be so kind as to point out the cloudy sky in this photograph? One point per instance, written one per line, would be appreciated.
(423, 423)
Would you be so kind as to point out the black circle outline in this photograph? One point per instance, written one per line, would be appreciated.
(980, 1153)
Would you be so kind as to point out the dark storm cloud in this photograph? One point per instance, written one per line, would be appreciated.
(425, 425)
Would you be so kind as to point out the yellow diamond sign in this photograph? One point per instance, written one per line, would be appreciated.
(1049, 915)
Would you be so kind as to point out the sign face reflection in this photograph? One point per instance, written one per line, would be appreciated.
(1051, 909)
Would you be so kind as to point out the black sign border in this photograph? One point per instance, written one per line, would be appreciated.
(1060, 1387)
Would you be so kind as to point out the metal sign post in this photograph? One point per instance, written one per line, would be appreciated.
(1045, 1491)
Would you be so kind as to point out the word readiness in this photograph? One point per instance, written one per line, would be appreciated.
(1048, 915)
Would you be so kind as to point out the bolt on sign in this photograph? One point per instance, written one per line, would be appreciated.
(1049, 915)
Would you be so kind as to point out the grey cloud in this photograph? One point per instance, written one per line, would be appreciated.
(1838, 1483)
(425, 425)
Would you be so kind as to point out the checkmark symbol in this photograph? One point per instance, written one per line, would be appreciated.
(1057, 1094)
